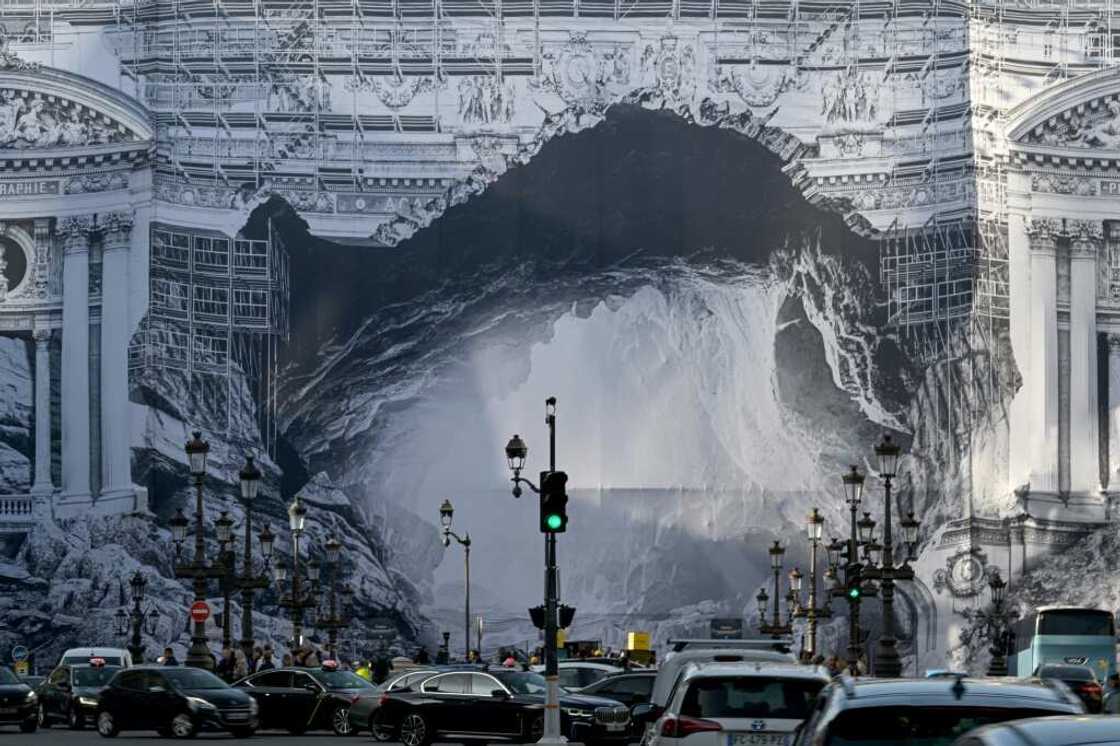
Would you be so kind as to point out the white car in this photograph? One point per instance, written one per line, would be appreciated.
(734, 704)
(109, 657)
(575, 675)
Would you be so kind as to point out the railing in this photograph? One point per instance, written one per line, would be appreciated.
(17, 509)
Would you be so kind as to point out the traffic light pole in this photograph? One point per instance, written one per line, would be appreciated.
(551, 660)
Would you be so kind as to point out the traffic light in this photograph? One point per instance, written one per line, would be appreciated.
(554, 502)
(536, 614)
(567, 615)
(854, 591)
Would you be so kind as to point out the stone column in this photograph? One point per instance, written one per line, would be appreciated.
(75, 232)
(116, 469)
(1043, 368)
(1084, 446)
(1019, 414)
(43, 484)
(1114, 412)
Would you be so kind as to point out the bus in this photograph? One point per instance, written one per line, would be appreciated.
(1066, 635)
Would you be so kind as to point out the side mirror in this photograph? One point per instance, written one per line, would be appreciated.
(646, 712)
(499, 694)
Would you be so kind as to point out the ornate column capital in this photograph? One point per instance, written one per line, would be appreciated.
(1114, 344)
(117, 226)
(1043, 233)
(75, 230)
(1086, 237)
(42, 335)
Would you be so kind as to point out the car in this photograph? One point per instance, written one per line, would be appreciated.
(19, 703)
(1066, 730)
(302, 699)
(498, 705)
(928, 711)
(1080, 679)
(669, 671)
(32, 681)
(174, 701)
(361, 711)
(629, 687)
(71, 692)
(112, 656)
(734, 703)
(575, 675)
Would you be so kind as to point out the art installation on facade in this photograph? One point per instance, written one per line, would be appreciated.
(738, 240)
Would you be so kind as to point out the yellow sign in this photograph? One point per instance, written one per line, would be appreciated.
(22, 668)
(561, 637)
(637, 641)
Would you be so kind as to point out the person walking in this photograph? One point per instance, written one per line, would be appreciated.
(265, 663)
(1111, 702)
(364, 670)
(225, 666)
(169, 658)
(240, 665)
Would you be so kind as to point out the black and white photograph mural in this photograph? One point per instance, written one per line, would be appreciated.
(738, 241)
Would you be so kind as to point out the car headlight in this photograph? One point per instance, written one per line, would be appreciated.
(31, 697)
(574, 712)
(196, 704)
(87, 701)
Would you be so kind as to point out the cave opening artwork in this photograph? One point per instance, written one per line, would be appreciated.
(739, 242)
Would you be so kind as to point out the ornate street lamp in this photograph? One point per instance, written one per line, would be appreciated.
(815, 531)
(299, 598)
(249, 581)
(199, 570)
(446, 512)
(1000, 626)
(137, 619)
(775, 628)
(336, 619)
(852, 588)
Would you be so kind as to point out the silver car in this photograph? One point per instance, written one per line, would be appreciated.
(1072, 730)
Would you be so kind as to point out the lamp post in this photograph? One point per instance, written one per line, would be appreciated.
(775, 628)
(198, 570)
(298, 598)
(516, 451)
(250, 582)
(446, 512)
(337, 619)
(137, 619)
(1000, 626)
(851, 588)
(812, 612)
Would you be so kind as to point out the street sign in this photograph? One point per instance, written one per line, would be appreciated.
(20, 653)
(22, 668)
(200, 612)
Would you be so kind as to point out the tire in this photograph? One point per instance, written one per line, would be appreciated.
(107, 724)
(414, 730)
(340, 721)
(242, 732)
(379, 732)
(29, 726)
(182, 726)
(75, 719)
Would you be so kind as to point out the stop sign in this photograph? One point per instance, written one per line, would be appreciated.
(200, 612)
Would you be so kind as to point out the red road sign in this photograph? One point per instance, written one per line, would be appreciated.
(200, 612)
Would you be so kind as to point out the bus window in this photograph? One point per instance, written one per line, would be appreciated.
(1075, 622)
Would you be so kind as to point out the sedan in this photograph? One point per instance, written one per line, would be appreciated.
(361, 712)
(18, 702)
(70, 694)
(1080, 679)
(174, 701)
(302, 699)
(633, 688)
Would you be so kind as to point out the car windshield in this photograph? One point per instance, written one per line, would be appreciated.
(917, 726)
(341, 680)
(94, 676)
(7, 677)
(1067, 673)
(193, 678)
(523, 682)
(749, 697)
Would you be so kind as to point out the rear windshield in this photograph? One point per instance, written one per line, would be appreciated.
(1067, 673)
(1075, 622)
(749, 697)
(94, 676)
(916, 726)
(110, 660)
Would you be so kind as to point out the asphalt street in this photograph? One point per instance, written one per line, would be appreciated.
(10, 736)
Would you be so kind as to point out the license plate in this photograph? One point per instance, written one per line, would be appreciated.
(756, 739)
(8, 710)
(237, 716)
(615, 727)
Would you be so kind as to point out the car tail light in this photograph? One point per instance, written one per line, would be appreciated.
(1090, 688)
(383, 699)
(354, 699)
(682, 726)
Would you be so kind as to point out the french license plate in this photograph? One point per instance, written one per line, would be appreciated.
(8, 710)
(615, 727)
(756, 739)
(237, 716)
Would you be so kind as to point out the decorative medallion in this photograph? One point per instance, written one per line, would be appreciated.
(13, 267)
(965, 575)
(580, 73)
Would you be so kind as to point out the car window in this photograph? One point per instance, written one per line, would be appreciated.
(749, 697)
(638, 685)
(131, 680)
(152, 680)
(570, 678)
(590, 675)
(110, 660)
(341, 680)
(916, 726)
(60, 676)
(275, 679)
(302, 680)
(483, 685)
(94, 676)
(452, 683)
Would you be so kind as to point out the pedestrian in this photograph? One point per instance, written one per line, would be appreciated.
(224, 669)
(255, 661)
(422, 658)
(510, 661)
(240, 665)
(286, 661)
(364, 669)
(1111, 702)
(169, 658)
(381, 669)
(311, 658)
(265, 663)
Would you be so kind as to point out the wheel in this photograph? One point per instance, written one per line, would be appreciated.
(107, 724)
(74, 719)
(536, 729)
(242, 732)
(182, 726)
(29, 726)
(382, 733)
(340, 721)
(44, 721)
(414, 730)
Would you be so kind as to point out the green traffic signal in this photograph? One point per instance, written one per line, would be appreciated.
(554, 521)
(853, 592)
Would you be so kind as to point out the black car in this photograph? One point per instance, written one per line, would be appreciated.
(18, 702)
(70, 694)
(1081, 680)
(303, 699)
(174, 701)
(630, 688)
(496, 705)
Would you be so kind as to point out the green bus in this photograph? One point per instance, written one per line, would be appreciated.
(1065, 635)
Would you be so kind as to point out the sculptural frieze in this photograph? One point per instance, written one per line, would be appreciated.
(580, 72)
(1096, 125)
(757, 84)
(485, 99)
(30, 120)
(9, 60)
(95, 183)
(848, 99)
(1057, 184)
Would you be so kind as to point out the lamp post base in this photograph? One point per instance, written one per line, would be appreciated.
(887, 663)
(199, 655)
(998, 667)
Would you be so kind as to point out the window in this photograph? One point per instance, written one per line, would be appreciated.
(91, 676)
(930, 726)
(250, 257)
(172, 249)
(210, 349)
(211, 254)
(641, 686)
(452, 683)
(250, 304)
(483, 685)
(1087, 622)
(274, 679)
(570, 678)
(170, 296)
(749, 697)
(304, 681)
(154, 682)
(131, 680)
(193, 678)
(211, 301)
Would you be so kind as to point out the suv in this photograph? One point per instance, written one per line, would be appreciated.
(1069, 730)
(734, 703)
(924, 710)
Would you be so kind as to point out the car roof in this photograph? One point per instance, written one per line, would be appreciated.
(93, 652)
(1067, 608)
(1059, 729)
(943, 691)
(756, 668)
(589, 664)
